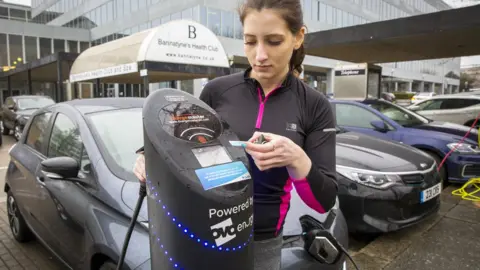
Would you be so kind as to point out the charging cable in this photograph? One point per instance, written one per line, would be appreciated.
(141, 195)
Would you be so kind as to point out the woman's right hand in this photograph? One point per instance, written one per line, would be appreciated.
(139, 168)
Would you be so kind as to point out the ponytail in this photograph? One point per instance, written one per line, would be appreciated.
(297, 59)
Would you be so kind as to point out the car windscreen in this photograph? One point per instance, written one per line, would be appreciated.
(119, 134)
(33, 103)
(398, 114)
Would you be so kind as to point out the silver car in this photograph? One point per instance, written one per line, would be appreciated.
(459, 109)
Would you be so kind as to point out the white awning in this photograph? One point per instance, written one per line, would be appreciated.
(177, 50)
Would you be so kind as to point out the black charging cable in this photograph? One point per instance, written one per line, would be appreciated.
(141, 195)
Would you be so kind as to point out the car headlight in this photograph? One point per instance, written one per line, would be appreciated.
(463, 148)
(371, 179)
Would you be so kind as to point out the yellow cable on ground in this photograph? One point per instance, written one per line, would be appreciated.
(468, 190)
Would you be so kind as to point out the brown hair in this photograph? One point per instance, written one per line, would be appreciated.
(291, 11)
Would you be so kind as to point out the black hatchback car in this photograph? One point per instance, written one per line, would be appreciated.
(16, 111)
(83, 218)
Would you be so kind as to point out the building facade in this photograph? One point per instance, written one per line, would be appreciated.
(22, 40)
(107, 20)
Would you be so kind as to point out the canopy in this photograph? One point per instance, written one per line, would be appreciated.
(177, 50)
(444, 34)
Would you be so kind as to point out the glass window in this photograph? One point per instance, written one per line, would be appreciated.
(34, 103)
(30, 48)
(176, 16)
(65, 139)
(16, 50)
(187, 14)
(3, 13)
(354, 116)
(17, 14)
(45, 47)
(196, 13)
(72, 46)
(84, 45)
(120, 150)
(3, 51)
(433, 104)
(203, 15)
(134, 5)
(58, 45)
(227, 24)
(119, 10)
(238, 27)
(37, 131)
(398, 114)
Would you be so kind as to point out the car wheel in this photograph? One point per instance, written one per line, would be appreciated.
(5, 130)
(17, 132)
(108, 266)
(18, 227)
(443, 170)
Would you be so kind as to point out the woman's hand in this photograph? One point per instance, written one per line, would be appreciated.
(277, 152)
(139, 168)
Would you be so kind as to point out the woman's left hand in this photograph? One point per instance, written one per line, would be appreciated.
(278, 151)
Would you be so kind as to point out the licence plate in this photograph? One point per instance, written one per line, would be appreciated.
(430, 193)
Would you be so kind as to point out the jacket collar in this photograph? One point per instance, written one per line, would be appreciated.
(285, 84)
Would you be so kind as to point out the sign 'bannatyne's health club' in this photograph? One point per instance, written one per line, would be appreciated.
(185, 42)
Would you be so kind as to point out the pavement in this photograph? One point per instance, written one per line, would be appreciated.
(448, 240)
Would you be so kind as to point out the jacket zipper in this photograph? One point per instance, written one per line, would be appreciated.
(261, 107)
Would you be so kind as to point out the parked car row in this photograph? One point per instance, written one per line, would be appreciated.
(16, 111)
(387, 171)
(459, 109)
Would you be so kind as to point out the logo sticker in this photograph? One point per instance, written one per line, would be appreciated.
(291, 127)
(221, 175)
(223, 232)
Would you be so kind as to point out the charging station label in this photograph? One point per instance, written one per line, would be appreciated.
(220, 175)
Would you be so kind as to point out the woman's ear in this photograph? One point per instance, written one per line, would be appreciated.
(300, 37)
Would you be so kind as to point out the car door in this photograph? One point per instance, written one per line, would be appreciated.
(65, 203)
(431, 108)
(8, 113)
(27, 159)
(356, 118)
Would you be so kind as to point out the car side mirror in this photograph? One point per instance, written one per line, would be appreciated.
(379, 125)
(61, 168)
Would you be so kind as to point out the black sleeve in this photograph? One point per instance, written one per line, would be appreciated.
(207, 95)
(319, 191)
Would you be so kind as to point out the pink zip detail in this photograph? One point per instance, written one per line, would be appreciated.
(261, 108)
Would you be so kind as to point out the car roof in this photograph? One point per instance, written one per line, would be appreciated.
(93, 105)
(454, 96)
(30, 96)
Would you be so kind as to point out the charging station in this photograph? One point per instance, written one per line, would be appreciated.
(199, 190)
(357, 81)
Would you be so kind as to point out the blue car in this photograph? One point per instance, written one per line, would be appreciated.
(385, 120)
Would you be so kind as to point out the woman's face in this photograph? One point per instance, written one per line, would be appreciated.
(269, 43)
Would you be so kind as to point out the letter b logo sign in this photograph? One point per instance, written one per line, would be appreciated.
(192, 32)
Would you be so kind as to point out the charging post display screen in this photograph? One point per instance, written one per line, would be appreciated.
(211, 155)
(190, 122)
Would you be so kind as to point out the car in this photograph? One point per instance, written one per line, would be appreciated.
(83, 220)
(458, 109)
(385, 120)
(384, 185)
(422, 96)
(16, 111)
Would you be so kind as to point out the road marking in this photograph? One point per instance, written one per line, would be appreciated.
(4, 168)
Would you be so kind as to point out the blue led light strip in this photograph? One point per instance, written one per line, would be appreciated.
(165, 252)
(186, 231)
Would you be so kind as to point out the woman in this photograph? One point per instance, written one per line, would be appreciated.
(296, 120)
